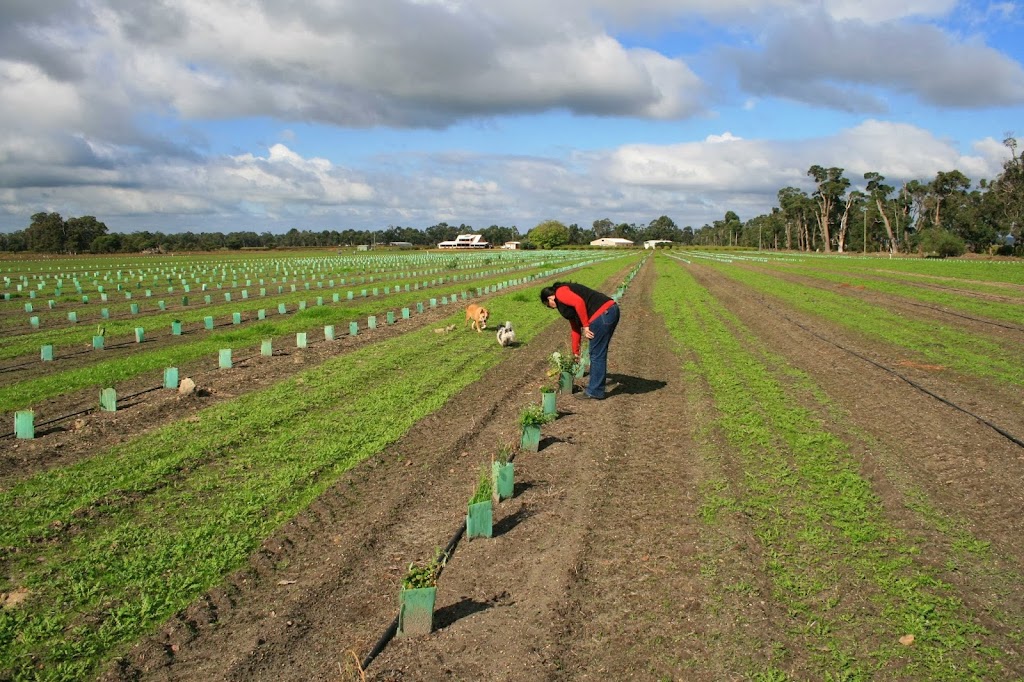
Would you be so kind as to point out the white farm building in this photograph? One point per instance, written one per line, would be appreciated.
(466, 241)
(611, 241)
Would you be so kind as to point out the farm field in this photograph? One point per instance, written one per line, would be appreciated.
(806, 468)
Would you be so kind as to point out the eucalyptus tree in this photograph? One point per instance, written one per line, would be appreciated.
(603, 228)
(945, 186)
(855, 200)
(797, 210)
(831, 186)
(879, 193)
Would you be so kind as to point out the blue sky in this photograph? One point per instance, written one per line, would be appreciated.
(230, 115)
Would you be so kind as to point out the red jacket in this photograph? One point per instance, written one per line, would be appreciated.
(579, 305)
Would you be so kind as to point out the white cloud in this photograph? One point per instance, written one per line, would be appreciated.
(843, 64)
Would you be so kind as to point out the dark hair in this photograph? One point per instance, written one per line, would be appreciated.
(549, 291)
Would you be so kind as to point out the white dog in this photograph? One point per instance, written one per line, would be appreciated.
(506, 335)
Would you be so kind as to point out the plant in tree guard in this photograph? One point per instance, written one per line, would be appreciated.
(420, 575)
(484, 488)
(563, 362)
(533, 415)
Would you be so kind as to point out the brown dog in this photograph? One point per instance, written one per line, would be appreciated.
(477, 317)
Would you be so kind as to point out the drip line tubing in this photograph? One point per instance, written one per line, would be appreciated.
(1002, 432)
(968, 317)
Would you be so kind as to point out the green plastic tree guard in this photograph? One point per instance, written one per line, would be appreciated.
(24, 424)
(236, 318)
(300, 340)
(433, 303)
(405, 313)
(171, 378)
(349, 295)
(140, 334)
(176, 327)
(261, 314)
(208, 299)
(416, 611)
(281, 309)
(73, 317)
(184, 300)
(371, 322)
(134, 307)
(479, 520)
(46, 353)
(267, 348)
(391, 317)
(98, 341)
(549, 402)
(108, 400)
(503, 477)
(531, 438)
(584, 362)
(302, 305)
(105, 313)
(419, 307)
(208, 322)
(565, 382)
(28, 307)
(336, 298)
(353, 328)
(224, 360)
(329, 332)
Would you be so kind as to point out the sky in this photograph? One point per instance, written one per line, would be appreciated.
(267, 115)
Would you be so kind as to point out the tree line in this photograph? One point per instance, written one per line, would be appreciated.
(944, 216)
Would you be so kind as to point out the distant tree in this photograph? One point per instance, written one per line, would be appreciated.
(831, 186)
(687, 237)
(577, 235)
(626, 231)
(442, 232)
(878, 193)
(662, 227)
(549, 234)
(944, 187)
(603, 228)
(107, 243)
(46, 233)
(797, 211)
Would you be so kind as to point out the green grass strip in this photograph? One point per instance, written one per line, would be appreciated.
(112, 546)
(931, 342)
(821, 527)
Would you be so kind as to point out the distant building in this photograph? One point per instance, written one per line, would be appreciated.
(512, 246)
(466, 241)
(611, 241)
(653, 243)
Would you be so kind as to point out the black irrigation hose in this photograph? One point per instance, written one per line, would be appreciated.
(968, 317)
(392, 629)
(1000, 431)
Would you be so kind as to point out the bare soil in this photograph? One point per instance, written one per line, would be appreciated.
(593, 570)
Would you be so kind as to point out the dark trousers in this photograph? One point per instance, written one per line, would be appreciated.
(603, 327)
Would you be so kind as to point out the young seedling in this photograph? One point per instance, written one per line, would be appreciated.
(420, 575)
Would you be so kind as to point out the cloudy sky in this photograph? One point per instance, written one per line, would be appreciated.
(222, 115)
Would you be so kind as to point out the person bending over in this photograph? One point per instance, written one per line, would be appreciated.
(591, 315)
